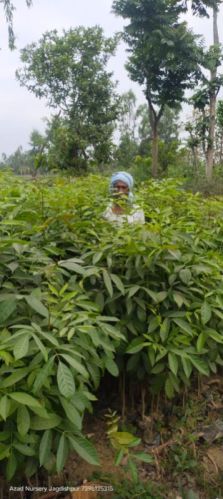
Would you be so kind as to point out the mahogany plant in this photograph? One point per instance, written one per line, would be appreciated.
(80, 296)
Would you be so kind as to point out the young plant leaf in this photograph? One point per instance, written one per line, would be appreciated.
(45, 447)
(23, 420)
(65, 380)
(85, 449)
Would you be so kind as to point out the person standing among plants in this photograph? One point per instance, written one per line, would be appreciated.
(122, 209)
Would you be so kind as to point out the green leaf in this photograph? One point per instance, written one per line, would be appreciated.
(49, 337)
(169, 389)
(153, 324)
(136, 345)
(4, 407)
(164, 330)
(175, 381)
(200, 365)
(62, 453)
(7, 357)
(43, 375)
(124, 438)
(41, 412)
(111, 367)
(85, 449)
(24, 398)
(14, 377)
(205, 313)
(211, 333)
(185, 276)
(133, 470)
(108, 282)
(158, 368)
(45, 447)
(31, 467)
(11, 466)
(161, 296)
(75, 364)
(133, 290)
(71, 412)
(4, 451)
(37, 305)
(178, 298)
(97, 257)
(23, 420)
(184, 326)
(4, 435)
(25, 450)
(65, 380)
(201, 341)
(152, 294)
(38, 423)
(119, 456)
(70, 265)
(187, 366)
(151, 357)
(95, 375)
(218, 313)
(6, 310)
(201, 268)
(118, 283)
(142, 456)
(40, 346)
(173, 363)
(22, 346)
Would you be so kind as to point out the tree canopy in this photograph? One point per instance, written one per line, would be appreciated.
(164, 54)
(70, 72)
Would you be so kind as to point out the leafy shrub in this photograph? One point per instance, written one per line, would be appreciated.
(55, 345)
(76, 290)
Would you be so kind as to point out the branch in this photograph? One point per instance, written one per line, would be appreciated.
(149, 99)
(160, 113)
(9, 9)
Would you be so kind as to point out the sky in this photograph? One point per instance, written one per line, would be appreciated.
(20, 111)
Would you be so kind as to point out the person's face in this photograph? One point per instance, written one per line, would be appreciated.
(121, 189)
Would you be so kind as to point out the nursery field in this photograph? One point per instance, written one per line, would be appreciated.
(110, 337)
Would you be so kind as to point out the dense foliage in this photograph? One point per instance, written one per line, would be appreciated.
(80, 296)
(70, 71)
(164, 56)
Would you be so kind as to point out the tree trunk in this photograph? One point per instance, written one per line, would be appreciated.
(154, 119)
(210, 149)
(221, 150)
(195, 159)
(212, 109)
(155, 148)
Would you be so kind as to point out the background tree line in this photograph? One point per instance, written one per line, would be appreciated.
(92, 127)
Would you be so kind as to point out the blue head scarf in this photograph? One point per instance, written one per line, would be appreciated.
(123, 177)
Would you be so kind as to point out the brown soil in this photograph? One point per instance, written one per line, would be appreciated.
(78, 470)
(185, 436)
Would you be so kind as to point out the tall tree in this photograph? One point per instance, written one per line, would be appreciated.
(199, 7)
(126, 128)
(70, 72)
(127, 114)
(21, 162)
(205, 98)
(9, 8)
(213, 92)
(164, 56)
(219, 134)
